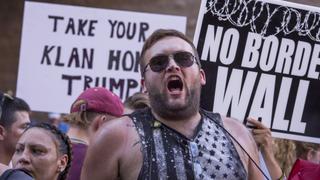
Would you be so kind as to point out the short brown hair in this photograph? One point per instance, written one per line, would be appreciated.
(160, 34)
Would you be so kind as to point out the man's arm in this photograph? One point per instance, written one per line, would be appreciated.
(104, 151)
(244, 137)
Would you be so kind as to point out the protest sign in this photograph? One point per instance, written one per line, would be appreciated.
(261, 60)
(66, 49)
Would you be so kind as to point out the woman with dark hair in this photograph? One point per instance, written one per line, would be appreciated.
(44, 152)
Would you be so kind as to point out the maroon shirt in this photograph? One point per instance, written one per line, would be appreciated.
(78, 154)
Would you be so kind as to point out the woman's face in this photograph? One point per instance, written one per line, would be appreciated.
(37, 152)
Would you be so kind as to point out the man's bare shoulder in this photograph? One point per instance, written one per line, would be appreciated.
(107, 149)
(245, 140)
(115, 130)
(240, 133)
(234, 124)
(112, 134)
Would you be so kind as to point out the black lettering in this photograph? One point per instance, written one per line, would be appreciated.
(58, 63)
(87, 58)
(121, 29)
(131, 31)
(55, 21)
(87, 81)
(104, 82)
(74, 57)
(70, 27)
(113, 24)
(45, 54)
(131, 85)
(115, 85)
(92, 27)
(127, 62)
(136, 67)
(94, 82)
(114, 59)
(82, 24)
(70, 80)
(142, 34)
(97, 82)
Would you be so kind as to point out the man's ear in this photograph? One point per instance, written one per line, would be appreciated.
(202, 77)
(3, 133)
(97, 123)
(143, 85)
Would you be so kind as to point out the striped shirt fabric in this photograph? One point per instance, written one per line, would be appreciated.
(167, 154)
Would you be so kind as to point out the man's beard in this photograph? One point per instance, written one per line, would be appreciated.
(160, 105)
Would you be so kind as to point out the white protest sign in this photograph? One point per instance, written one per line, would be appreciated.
(262, 60)
(65, 49)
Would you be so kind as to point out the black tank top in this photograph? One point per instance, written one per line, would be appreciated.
(167, 154)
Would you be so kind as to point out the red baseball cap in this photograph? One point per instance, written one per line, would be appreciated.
(99, 100)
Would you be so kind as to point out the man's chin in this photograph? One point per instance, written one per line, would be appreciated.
(176, 101)
(171, 107)
(179, 110)
(176, 105)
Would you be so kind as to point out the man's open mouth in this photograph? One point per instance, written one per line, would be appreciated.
(175, 84)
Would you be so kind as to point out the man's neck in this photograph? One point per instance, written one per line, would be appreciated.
(4, 157)
(78, 134)
(186, 126)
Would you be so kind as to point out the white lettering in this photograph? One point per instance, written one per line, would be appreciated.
(233, 94)
(212, 43)
(279, 121)
(269, 53)
(263, 99)
(229, 46)
(285, 56)
(314, 62)
(296, 124)
(301, 59)
(251, 53)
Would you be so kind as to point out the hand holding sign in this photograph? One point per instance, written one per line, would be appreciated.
(263, 138)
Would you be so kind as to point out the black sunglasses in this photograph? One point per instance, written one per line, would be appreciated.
(4, 97)
(160, 62)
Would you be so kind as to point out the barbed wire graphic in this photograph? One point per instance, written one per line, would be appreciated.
(266, 19)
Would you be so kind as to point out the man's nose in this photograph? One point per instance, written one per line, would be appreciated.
(172, 65)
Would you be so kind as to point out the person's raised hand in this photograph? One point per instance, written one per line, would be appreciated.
(262, 135)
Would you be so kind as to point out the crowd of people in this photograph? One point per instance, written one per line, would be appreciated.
(160, 133)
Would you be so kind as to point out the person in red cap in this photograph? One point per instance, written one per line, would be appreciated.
(90, 110)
